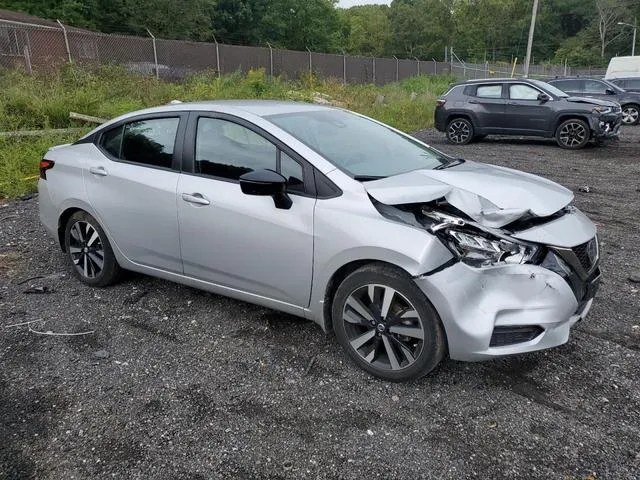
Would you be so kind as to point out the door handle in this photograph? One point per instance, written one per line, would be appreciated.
(100, 171)
(196, 198)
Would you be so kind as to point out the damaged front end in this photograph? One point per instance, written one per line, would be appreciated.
(516, 288)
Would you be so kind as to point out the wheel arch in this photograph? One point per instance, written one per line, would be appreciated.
(69, 208)
(466, 115)
(571, 116)
(338, 277)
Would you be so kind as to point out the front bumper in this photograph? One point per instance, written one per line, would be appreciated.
(606, 125)
(472, 302)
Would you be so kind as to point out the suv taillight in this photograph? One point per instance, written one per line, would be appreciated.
(44, 166)
(440, 102)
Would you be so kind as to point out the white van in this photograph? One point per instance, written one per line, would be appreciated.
(623, 67)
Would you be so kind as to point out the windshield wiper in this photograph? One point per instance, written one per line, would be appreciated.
(452, 163)
(367, 178)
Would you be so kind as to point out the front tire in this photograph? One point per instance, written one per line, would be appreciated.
(385, 323)
(459, 131)
(573, 134)
(630, 114)
(89, 251)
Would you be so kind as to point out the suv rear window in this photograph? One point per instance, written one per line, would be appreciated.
(489, 91)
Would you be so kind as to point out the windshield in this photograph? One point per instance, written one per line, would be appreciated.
(359, 146)
(555, 91)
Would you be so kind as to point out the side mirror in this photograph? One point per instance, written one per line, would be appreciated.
(543, 97)
(610, 91)
(266, 183)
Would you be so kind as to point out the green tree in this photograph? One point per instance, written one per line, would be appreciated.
(368, 30)
(420, 27)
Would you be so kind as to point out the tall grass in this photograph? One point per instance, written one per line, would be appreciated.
(44, 101)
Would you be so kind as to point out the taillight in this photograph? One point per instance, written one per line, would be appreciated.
(44, 166)
(440, 102)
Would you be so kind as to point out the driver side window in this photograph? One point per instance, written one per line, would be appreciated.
(228, 150)
(520, 91)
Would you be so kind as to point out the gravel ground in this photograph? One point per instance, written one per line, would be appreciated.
(181, 384)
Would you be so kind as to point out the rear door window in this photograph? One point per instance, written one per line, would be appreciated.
(148, 142)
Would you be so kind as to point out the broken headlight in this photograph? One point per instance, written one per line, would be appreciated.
(476, 245)
(482, 250)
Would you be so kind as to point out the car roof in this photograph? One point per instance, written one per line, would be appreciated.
(555, 79)
(261, 108)
(485, 80)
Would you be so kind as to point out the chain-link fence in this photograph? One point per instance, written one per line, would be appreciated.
(460, 68)
(29, 46)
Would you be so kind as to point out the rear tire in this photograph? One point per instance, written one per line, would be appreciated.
(630, 114)
(459, 131)
(89, 251)
(386, 324)
(573, 134)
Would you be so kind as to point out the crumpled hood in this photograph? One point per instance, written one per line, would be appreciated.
(592, 101)
(493, 196)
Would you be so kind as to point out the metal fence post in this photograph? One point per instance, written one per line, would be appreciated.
(418, 63)
(27, 60)
(155, 53)
(310, 62)
(270, 60)
(66, 40)
(397, 67)
(374, 70)
(344, 68)
(435, 66)
(217, 55)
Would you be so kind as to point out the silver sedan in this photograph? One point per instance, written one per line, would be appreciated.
(405, 253)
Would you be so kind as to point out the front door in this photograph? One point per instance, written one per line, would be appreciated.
(241, 241)
(524, 113)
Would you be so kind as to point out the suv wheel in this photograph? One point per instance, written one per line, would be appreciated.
(573, 134)
(630, 114)
(460, 131)
(386, 325)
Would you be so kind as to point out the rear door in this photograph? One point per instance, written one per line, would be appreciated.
(524, 112)
(487, 103)
(131, 185)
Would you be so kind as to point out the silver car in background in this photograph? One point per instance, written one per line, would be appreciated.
(405, 253)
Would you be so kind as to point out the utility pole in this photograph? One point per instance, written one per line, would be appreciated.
(532, 28)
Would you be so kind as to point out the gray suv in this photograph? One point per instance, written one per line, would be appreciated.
(474, 109)
(596, 88)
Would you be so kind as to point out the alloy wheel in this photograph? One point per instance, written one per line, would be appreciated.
(459, 131)
(383, 327)
(630, 115)
(573, 134)
(86, 249)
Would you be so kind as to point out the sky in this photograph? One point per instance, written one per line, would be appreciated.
(351, 3)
